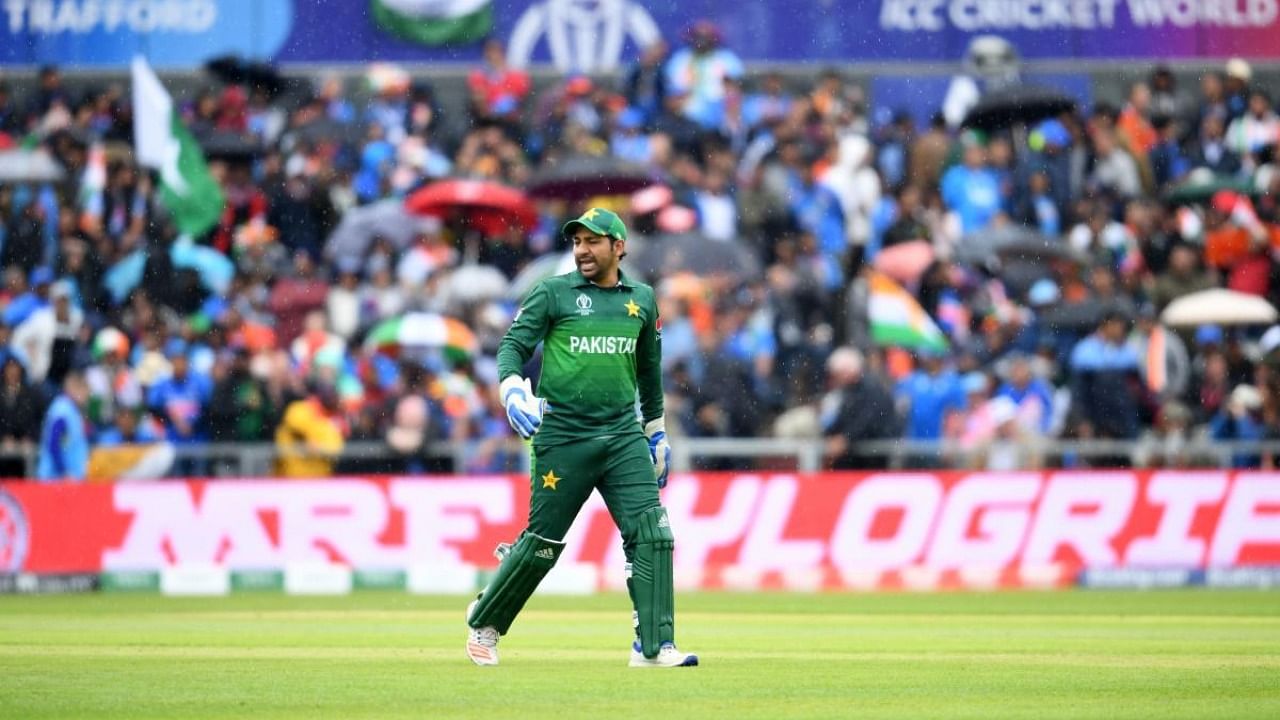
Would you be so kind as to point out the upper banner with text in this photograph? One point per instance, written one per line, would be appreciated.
(600, 35)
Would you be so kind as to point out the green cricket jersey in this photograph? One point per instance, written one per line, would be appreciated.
(600, 345)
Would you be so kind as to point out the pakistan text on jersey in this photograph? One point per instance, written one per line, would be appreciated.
(606, 345)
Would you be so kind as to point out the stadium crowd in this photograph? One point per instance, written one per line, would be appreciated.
(817, 189)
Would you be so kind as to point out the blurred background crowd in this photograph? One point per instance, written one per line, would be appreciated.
(823, 271)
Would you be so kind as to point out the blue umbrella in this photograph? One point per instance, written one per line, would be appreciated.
(215, 269)
(125, 275)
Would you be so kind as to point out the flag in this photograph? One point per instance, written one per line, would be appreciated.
(435, 22)
(164, 144)
(897, 319)
(92, 183)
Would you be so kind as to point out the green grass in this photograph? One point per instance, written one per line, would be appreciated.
(1183, 654)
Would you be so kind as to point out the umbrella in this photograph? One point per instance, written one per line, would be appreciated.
(423, 331)
(486, 206)
(214, 268)
(696, 253)
(1083, 315)
(1200, 187)
(230, 146)
(360, 225)
(1017, 104)
(905, 262)
(329, 129)
(1218, 306)
(1011, 243)
(540, 269)
(124, 275)
(578, 177)
(236, 70)
(29, 166)
(475, 283)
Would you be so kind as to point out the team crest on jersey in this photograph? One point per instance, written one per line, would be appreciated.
(584, 304)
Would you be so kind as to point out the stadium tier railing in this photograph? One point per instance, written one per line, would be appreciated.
(232, 460)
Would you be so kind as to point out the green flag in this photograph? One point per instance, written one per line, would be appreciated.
(164, 144)
(435, 22)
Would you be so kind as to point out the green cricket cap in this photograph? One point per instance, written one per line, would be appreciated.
(600, 222)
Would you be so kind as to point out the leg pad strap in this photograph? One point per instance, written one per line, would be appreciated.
(524, 566)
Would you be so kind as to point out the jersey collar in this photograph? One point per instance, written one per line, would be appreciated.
(577, 280)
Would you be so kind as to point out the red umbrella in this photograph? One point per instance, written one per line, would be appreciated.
(486, 206)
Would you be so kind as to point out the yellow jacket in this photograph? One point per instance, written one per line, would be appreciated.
(307, 441)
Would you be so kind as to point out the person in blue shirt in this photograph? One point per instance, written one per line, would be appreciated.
(1104, 379)
(64, 444)
(972, 189)
(180, 399)
(35, 298)
(697, 73)
(1032, 395)
(928, 395)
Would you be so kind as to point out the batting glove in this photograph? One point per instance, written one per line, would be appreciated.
(524, 411)
(659, 449)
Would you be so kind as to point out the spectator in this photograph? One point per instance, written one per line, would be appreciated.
(64, 444)
(695, 74)
(46, 340)
(929, 395)
(240, 408)
(311, 434)
(21, 408)
(856, 409)
(972, 189)
(1104, 380)
(497, 90)
(645, 84)
(1240, 420)
(181, 399)
(1257, 128)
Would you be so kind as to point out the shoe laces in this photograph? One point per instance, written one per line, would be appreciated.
(485, 636)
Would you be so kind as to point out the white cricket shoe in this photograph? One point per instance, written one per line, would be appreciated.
(482, 643)
(668, 656)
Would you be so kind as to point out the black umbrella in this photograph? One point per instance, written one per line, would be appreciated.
(329, 129)
(695, 253)
(1083, 315)
(1011, 244)
(230, 146)
(582, 176)
(235, 70)
(1017, 104)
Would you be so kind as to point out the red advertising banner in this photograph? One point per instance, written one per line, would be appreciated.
(824, 530)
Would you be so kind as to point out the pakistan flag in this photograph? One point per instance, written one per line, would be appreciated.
(435, 22)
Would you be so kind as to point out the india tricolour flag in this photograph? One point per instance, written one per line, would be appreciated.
(898, 320)
(435, 22)
(164, 144)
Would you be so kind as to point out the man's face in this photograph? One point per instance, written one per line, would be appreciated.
(595, 255)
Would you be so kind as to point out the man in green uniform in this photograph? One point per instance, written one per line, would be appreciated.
(602, 348)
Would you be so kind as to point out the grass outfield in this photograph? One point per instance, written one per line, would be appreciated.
(1168, 654)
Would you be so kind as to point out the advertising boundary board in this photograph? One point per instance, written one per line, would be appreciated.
(736, 531)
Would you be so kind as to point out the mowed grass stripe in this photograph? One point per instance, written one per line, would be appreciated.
(388, 655)
(722, 656)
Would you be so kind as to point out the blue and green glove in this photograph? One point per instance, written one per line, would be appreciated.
(659, 449)
(524, 411)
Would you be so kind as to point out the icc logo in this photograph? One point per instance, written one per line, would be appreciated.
(583, 36)
(584, 305)
(15, 535)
